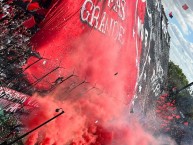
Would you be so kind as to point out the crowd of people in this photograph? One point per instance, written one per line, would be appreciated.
(19, 21)
(175, 110)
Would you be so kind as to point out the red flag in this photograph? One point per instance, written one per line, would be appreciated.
(33, 6)
(185, 7)
(29, 23)
(170, 15)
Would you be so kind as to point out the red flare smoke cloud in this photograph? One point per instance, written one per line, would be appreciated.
(96, 40)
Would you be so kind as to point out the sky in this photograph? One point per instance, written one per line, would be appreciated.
(181, 31)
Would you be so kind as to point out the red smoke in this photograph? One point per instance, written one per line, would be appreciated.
(94, 114)
(90, 120)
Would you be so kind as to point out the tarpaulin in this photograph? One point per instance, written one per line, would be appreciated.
(93, 38)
